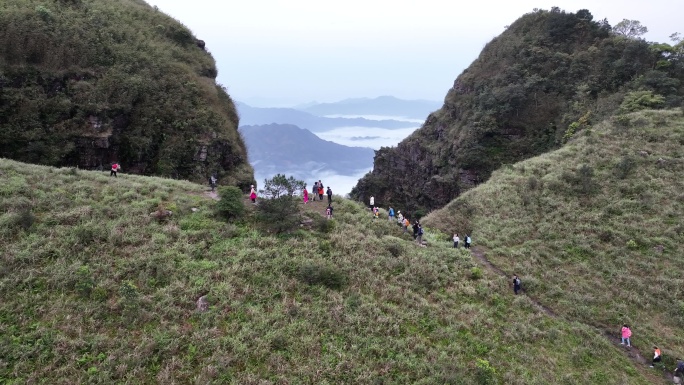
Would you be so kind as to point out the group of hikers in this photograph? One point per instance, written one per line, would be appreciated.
(466, 242)
(626, 335)
(318, 190)
(401, 220)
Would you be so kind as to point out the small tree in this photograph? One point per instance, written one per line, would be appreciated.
(630, 28)
(230, 204)
(279, 210)
(281, 185)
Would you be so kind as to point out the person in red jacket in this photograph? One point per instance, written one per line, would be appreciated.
(115, 169)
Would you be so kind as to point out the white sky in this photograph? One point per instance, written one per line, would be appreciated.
(276, 52)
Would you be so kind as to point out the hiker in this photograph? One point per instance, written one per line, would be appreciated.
(252, 194)
(456, 239)
(416, 224)
(372, 202)
(391, 214)
(626, 333)
(376, 212)
(329, 193)
(679, 370)
(419, 238)
(320, 191)
(406, 224)
(400, 218)
(305, 195)
(212, 182)
(314, 190)
(115, 168)
(516, 284)
(329, 212)
(466, 244)
(656, 356)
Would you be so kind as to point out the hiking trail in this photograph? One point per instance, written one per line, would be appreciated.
(633, 353)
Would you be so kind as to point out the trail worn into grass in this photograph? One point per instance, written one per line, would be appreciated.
(633, 353)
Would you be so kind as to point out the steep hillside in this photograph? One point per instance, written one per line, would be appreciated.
(88, 82)
(594, 228)
(95, 290)
(550, 73)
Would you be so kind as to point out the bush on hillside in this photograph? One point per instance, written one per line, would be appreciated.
(230, 203)
(641, 100)
(279, 215)
(330, 277)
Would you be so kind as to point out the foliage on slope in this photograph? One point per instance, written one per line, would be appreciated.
(549, 74)
(88, 82)
(593, 228)
(96, 291)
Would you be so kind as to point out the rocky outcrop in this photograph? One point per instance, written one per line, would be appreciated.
(547, 77)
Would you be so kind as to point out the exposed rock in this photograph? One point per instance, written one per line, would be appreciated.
(201, 43)
(659, 249)
(202, 304)
(643, 153)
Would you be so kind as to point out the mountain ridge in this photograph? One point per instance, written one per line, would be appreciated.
(549, 74)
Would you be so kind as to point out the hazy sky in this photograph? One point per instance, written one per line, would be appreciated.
(296, 51)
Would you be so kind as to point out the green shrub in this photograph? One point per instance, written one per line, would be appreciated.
(231, 203)
(624, 167)
(475, 273)
(486, 374)
(330, 277)
(279, 214)
(84, 281)
(641, 100)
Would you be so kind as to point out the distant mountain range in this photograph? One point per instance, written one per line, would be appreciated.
(288, 149)
(382, 105)
(259, 116)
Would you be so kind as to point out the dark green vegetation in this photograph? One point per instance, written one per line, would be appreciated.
(87, 82)
(595, 228)
(549, 75)
(95, 289)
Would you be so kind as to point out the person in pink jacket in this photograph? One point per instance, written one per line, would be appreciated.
(305, 195)
(626, 333)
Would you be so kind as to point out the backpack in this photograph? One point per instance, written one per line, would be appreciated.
(517, 282)
(420, 231)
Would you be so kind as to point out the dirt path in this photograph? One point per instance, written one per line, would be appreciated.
(633, 353)
(212, 194)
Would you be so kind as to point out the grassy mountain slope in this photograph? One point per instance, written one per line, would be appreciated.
(96, 291)
(89, 82)
(550, 73)
(593, 228)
